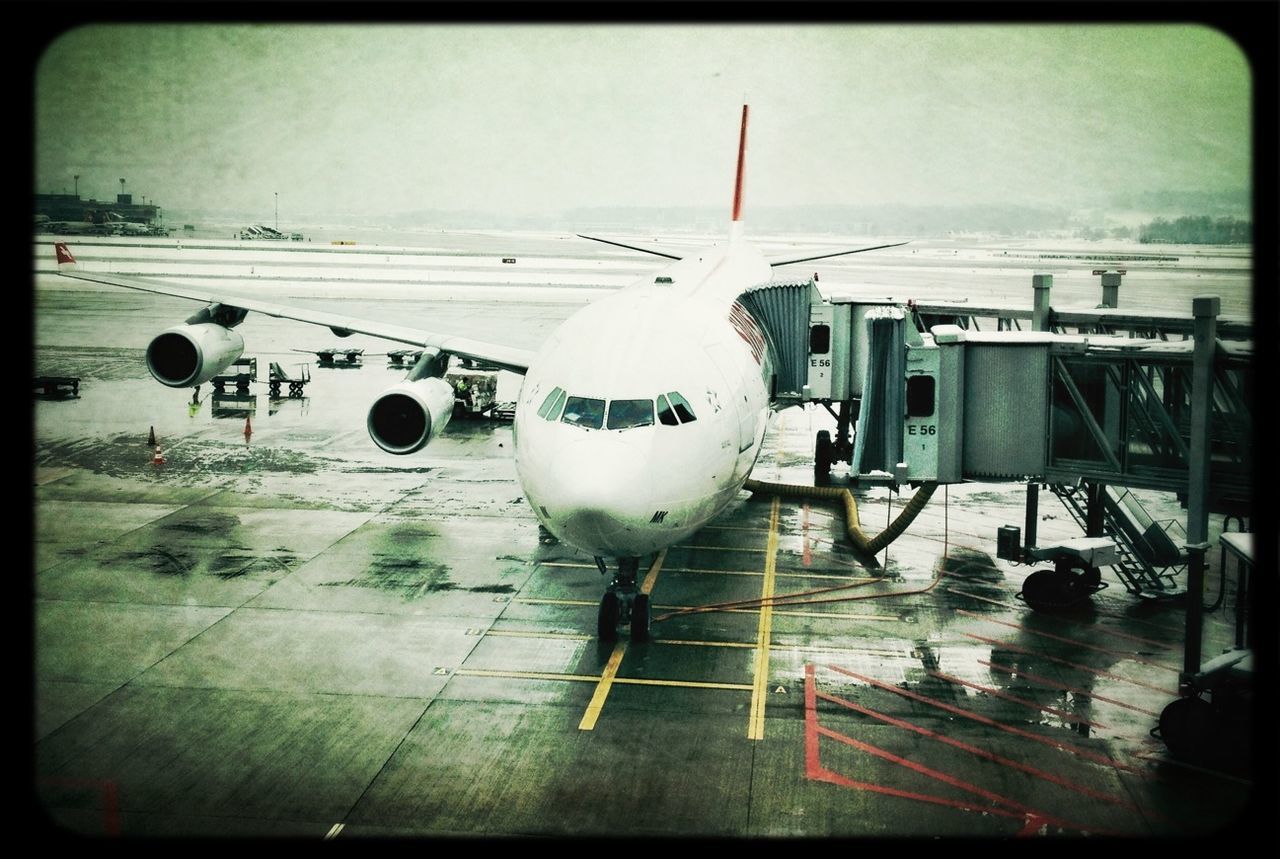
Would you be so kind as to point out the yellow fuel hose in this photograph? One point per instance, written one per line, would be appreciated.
(852, 526)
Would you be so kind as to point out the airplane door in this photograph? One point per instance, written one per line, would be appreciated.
(734, 396)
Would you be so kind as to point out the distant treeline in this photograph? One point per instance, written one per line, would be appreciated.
(1197, 230)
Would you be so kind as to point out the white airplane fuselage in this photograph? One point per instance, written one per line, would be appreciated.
(627, 492)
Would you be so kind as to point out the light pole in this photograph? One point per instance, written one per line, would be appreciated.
(77, 178)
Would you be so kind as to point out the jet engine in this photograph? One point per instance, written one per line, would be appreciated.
(408, 415)
(192, 354)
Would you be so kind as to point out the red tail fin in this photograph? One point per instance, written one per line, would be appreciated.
(742, 154)
(64, 255)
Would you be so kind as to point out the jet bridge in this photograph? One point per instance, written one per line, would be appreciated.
(1082, 412)
(957, 403)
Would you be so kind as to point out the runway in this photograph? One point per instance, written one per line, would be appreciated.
(283, 631)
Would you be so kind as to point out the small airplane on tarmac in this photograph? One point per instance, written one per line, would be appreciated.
(638, 421)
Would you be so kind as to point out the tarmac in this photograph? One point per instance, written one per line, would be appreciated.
(282, 631)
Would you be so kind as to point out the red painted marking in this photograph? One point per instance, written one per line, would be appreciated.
(982, 753)
(1118, 634)
(996, 693)
(807, 557)
(110, 808)
(983, 599)
(1015, 648)
(742, 155)
(1043, 681)
(812, 768)
(836, 778)
(1131, 657)
(991, 723)
(816, 772)
(923, 770)
(110, 798)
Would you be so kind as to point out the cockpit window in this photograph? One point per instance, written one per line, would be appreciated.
(545, 408)
(682, 408)
(665, 414)
(554, 414)
(630, 413)
(584, 412)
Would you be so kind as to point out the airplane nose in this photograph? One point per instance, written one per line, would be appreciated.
(600, 490)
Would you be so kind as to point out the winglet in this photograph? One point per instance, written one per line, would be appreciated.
(64, 255)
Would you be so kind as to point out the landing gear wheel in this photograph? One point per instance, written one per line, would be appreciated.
(295, 390)
(274, 387)
(1186, 727)
(822, 455)
(640, 618)
(607, 627)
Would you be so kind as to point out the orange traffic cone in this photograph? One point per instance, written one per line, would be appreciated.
(151, 439)
(248, 429)
(158, 459)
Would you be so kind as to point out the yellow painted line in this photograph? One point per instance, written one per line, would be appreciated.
(546, 601)
(591, 678)
(525, 675)
(838, 616)
(755, 727)
(589, 718)
(719, 549)
(687, 684)
(652, 578)
(533, 633)
(747, 644)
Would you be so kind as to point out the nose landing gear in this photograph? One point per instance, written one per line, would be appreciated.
(623, 603)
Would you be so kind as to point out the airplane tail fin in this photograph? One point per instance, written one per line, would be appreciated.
(735, 225)
(66, 262)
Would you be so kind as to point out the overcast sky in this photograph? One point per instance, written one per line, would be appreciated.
(539, 119)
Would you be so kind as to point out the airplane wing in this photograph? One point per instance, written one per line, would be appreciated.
(790, 260)
(505, 357)
(642, 250)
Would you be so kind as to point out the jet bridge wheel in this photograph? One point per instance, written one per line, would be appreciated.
(1055, 590)
(1187, 728)
(610, 610)
(640, 618)
(823, 453)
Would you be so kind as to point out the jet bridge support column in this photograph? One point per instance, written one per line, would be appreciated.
(1093, 525)
(1111, 288)
(1205, 310)
(1041, 284)
(1033, 513)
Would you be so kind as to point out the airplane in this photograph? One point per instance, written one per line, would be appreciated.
(637, 422)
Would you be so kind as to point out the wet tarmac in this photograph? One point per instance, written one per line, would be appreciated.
(286, 631)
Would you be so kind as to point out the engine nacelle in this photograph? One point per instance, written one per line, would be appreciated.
(188, 355)
(408, 415)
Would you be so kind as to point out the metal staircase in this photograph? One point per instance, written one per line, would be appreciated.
(1149, 558)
